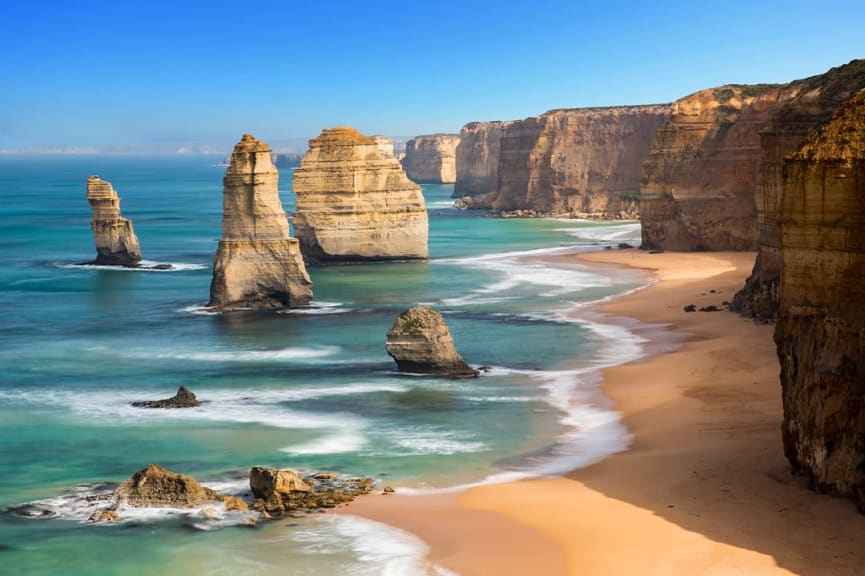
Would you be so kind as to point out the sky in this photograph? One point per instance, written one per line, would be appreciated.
(139, 74)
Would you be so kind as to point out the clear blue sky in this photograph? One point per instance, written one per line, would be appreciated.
(79, 73)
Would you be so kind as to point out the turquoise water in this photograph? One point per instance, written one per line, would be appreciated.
(312, 389)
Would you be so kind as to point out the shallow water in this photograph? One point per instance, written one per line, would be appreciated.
(311, 389)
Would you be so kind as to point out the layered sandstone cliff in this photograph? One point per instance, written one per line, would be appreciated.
(257, 265)
(354, 202)
(820, 331)
(431, 158)
(577, 162)
(700, 175)
(116, 242)
(477, 162)
(807, 104)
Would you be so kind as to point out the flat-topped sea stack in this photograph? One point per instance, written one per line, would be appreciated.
(116, 242)
(355, 203)
(582, 162)
(421, 343)
(807, 104)
(821, 321)
(257, 265)
(432, 158)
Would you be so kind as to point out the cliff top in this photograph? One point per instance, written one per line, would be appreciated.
(249, 143)
(436, 135)
(340, 136)
(97, 187)
(842, 138)
(627, 108)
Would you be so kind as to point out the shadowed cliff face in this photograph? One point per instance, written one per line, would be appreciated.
(576, 162)
(431, 158)
(699, 178)
(807, 104)
(477, 161)
(821, 322)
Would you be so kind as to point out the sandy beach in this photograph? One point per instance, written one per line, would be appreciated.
(704, 487)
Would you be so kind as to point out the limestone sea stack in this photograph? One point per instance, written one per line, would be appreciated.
(420, 342)
(257, 265)
(355, 203)
(116, 242)
(806, 105)
(431, 158)
(821, 322)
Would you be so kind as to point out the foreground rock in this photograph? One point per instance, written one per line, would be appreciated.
(116, 242)
(431, 158)
(355, 203)
(808, 104)
(156, 487)
(257, 265)
(583, 162)
(183, 399)
(278, 492)
(821, 323)
(420, 342)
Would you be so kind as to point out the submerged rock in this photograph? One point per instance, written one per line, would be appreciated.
(420, 342)
(355, 203)
(116, 242)
(278, 492)
(183, 399)
(257, 265)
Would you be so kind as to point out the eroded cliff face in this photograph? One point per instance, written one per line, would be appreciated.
(806, 104)
(116, 242)
(354, 202)
(477, 162)
(699, 178)
(820, 331)
(257, 265)
(579, 162)
(431, 158)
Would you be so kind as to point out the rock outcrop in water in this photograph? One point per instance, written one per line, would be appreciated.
(577, 162)
(278, 492)
(116, 242)
(183, 399)
(477, 162)
(820, 331)
(807, 104)
(421, 343)
(700, 175)
(257, 265)
(355, 203)
(431, 158)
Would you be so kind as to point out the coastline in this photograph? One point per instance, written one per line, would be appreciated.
(704, 487)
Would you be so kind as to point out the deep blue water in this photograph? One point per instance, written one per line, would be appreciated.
(311, 389)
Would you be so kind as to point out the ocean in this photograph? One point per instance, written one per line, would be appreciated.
(312, 389)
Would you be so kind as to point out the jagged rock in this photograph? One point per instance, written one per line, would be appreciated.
(354, 202)
(183, 399)
(154, 486)
(431, 158)
(278, 492)
(420, 342)
(690, 308)
(116, 242)
(257, 265)
(807, 104)
(477, 162)
(820, 330)
(582, 162)
(104, 516)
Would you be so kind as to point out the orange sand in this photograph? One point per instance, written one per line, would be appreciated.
(704, 489)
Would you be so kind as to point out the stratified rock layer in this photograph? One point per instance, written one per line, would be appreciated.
(420, 342)
(354, 202)
(820, 331)
(477, 162)
(700, 175)
(576, 162)
(116, 242)
(807, 104)
(431, 158)
(258, 265)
